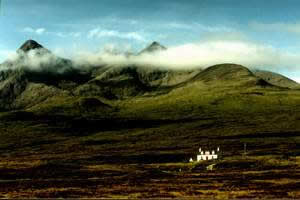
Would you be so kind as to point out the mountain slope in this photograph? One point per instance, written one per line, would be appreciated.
(38, 73)
(12, 84)
(23, 85)
(276, 79)
(130, 81)
(225, 72)
(152, 48)
(31, 45)
(231, 74)
(114, 83)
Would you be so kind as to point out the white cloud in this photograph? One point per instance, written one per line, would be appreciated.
(203, 54)
(99, 33)
(37, 60)
(93, 33)
(118, 20)
(75, 34)
(218, 48)
(38, 31)
(180, 25)
(4, 54)
(278, 27)
(41, 31)
(213, 28)
(63, 35)
(198, 26)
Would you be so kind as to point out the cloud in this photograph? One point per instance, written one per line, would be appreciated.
(63, 35)
(75, 34)
(213, 28)
(38, 31)
(118, 20)
(201, 55)
(42, 31)
(99, 33)
(4, 54)
(198, 26)
(278, 27)
(177, 25)
(36, 60)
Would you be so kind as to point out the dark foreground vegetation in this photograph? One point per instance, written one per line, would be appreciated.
(57, 157)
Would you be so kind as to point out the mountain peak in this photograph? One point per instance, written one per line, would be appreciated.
(153, 47)
(155, 44)
(30, 45)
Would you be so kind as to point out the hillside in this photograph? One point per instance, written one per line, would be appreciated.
(114, 131)
(230, 74)
(276, 79)
(57, 85)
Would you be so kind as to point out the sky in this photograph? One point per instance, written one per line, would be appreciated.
(267, 31)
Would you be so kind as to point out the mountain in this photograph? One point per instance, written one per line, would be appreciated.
(154, 47)
(30, 45)
(32, 56)
(31, 79)
(23, 85)
(114, 83)
(69, 131)
(276, 79)
(12, 84)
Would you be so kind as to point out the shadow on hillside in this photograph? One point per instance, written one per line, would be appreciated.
(83, 126)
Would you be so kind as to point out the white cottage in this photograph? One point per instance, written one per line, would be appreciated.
(207, 155)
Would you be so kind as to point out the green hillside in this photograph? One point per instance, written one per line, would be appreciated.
(276, 79)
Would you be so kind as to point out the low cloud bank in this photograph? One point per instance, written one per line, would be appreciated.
(35, 60)
(187, 56)
(200, 55)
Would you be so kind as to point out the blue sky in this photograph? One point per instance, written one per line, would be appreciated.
(68, 25)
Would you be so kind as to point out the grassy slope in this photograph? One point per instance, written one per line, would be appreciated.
(276, 79)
